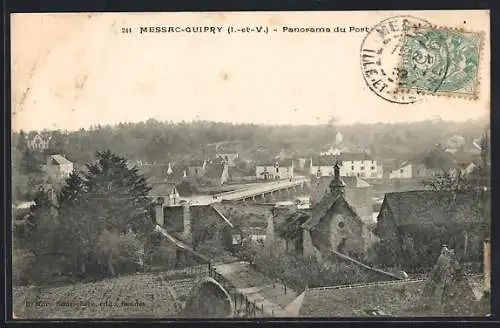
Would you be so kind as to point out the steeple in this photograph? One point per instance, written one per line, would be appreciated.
(337, 185)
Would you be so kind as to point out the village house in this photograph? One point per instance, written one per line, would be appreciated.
(197, 168)
(331, 226)
(408, 170)
(166, 191)
(352, 164)
(300, 163)
(58, 167)
(217, 170)
(281, 169)
(430, 218)
(38, 142)
(358, 193)
(229, 156)
(196, 225)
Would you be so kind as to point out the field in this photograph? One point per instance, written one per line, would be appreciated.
(134, 296)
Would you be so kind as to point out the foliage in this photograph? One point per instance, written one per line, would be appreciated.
(301, 272)
(166, 141)
(100, 225)
(418, 248)
(22, 261)
(164, 256)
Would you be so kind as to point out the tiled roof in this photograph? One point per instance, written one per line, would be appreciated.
(283, 162)
(428, 207)
(215, 169)
(60, 159)
(332, 159)
(319, 210)
(360, 300)
(289, 226)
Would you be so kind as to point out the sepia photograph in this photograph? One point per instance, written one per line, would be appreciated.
(320, 164)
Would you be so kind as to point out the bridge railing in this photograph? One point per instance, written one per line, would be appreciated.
(242, 305)
(255, 191)
(280, 183)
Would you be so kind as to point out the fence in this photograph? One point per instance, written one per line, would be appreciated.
(243, 306)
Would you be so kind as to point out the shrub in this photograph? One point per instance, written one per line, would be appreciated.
(164, 256)
(22, 262)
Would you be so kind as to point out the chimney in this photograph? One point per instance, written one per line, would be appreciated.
(186, 219)
(487, 265)
(160, 218)
(159, 214)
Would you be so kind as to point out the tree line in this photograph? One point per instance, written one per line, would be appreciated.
(155, 141)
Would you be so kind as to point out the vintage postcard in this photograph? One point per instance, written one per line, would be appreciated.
(251, 164)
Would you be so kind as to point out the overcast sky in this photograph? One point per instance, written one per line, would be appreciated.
(76, 70)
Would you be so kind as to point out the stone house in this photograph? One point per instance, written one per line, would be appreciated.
(359, 165)
(408, 170)
(58, 167)
(167, 191)
(430, 218)
(38, 142)
(229, 157)
(358, 193)
(217, 170)
(197, 168)
(196, 225)
(331, 226)
(275, 170)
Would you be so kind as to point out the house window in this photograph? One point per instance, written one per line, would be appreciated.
(401, 171)
(362, 168)
(373, 168)
(352, 167)
(341, 225)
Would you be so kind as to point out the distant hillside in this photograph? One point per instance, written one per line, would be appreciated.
(154, 141)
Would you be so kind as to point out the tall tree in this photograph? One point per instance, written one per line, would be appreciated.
(100, 206)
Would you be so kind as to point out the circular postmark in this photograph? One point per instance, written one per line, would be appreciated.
(439, 60)
(381, 52)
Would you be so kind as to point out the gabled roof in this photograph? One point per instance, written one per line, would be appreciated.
(330, 160)
(214, 169)
(319, 210)
(427, 207)
(282, 162)
(363, 300)
(289, 226)
(60, 159)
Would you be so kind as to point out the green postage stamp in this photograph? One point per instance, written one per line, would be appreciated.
(441, 61)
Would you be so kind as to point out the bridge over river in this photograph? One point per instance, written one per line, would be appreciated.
(261, 190)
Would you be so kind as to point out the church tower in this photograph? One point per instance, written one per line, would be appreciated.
(337, 186)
